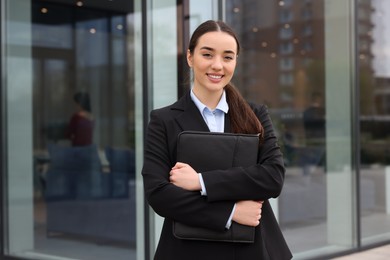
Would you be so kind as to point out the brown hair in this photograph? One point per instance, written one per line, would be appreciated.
(242, 118)
(82, 99)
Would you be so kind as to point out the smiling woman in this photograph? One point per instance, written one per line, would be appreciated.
(213, 62)
(239, 194)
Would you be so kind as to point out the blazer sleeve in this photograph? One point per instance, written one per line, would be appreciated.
(258, 182)
(168, 200)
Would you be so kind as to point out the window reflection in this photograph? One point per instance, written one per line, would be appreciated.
(282, 65)
(285, 16)
(286, 64)
(285, 33)
(374, 82)
(84, 127)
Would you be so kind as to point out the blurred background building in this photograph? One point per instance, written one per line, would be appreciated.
(321, 66)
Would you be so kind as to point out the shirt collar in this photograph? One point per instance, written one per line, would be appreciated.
(222, 104)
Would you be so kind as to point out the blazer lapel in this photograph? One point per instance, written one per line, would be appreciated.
(190, 117)
(227, 123)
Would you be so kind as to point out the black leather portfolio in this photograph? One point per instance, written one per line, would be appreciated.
(206, 151)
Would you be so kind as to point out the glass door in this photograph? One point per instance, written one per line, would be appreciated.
(374, 82)
(73, 130)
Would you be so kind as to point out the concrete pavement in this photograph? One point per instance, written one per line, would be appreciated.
(378, 253)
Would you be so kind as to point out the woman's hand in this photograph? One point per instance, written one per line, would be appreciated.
(184, 176)
(248, 212)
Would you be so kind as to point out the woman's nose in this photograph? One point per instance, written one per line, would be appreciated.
(217, 64)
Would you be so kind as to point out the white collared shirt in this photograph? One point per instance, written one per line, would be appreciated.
(215, 119)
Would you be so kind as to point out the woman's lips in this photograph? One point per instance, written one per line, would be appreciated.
(214, 77)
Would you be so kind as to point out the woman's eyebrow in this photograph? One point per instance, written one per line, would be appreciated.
(211, 49)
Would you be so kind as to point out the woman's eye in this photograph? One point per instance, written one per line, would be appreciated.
(229, 58)
(206, 55)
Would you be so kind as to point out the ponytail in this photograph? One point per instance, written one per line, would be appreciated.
(242, 118)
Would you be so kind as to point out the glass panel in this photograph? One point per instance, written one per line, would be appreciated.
(165, 38)
(296, 59)
(374, 83)
(74, 130)
(164, 56)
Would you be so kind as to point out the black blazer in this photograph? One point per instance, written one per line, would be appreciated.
(224, 188)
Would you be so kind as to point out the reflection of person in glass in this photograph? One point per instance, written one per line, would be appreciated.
(80, 129)
(213, 199)
(314, 125)
(314, 120)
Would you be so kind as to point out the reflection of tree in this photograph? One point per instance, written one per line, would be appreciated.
(316, 77)
(366, 92)
(374, 140)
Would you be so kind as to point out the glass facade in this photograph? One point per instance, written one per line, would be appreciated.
(297, 60)
(79, 78)
(71, 109)
(374, 120)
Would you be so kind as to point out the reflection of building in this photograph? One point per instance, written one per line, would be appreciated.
(64, 48)
(380, 60)
(365, 56)
(374, 74)
(382, 96)
(283, 45)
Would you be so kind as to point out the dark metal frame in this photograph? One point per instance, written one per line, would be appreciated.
(183, 27)
(147, 104)
(3, 134)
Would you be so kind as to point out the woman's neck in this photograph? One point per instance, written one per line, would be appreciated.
(209, 98)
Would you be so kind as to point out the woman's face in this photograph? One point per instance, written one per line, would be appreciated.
(213, 61)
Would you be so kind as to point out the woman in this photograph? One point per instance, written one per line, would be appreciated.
(80, 129)
(213, 199)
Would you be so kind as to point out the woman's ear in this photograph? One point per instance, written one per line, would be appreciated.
(189, 58)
